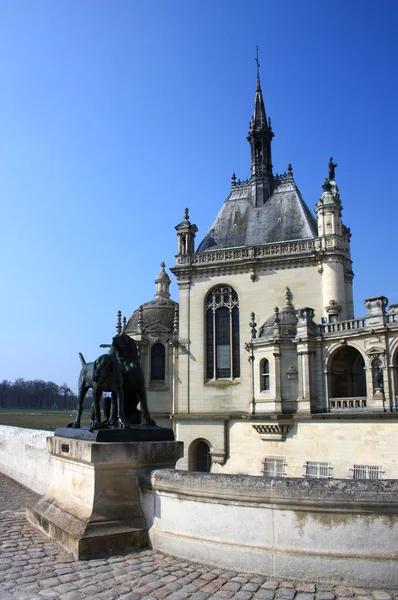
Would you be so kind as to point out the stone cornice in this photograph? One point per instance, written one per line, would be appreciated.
(282, 254)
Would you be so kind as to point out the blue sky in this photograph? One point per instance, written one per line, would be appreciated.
(114, 116)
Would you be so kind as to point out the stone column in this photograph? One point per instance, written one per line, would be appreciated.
(278, 383)
(304, 395)
(182, 403)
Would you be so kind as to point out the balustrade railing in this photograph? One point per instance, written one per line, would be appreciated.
(347, 403)
(343, 326)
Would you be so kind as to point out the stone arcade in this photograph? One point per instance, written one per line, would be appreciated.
(262, 367)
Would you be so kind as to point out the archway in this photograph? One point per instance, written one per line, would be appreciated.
(347, 379)
(199, 458)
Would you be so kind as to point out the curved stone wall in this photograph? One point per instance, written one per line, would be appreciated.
(23, 456)
(339, 531)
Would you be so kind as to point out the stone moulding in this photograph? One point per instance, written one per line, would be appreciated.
(272, 431)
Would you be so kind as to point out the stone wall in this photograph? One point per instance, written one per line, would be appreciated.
(339, 440)
(23, 457)
(320, 530)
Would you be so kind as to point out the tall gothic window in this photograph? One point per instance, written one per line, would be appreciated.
(222, 323)
(158, 362)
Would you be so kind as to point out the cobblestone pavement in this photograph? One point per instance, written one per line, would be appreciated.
(34, 568)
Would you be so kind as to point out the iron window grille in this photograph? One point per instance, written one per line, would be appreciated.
(317, 470)
(367, 472)
(274, 467)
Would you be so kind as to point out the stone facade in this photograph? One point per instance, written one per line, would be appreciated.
(266, 367)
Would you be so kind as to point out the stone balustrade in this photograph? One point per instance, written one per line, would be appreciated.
(347, 403)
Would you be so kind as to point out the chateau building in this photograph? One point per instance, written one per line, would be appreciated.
(262, 367)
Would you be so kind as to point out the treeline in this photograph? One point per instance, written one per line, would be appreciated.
(37, 394)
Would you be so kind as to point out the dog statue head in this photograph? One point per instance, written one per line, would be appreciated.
(125, 346)
(103, 367)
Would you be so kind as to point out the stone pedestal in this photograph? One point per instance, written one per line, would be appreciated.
(92, 505)
(376, 402)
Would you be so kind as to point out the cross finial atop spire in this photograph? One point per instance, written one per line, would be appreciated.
(257, 63)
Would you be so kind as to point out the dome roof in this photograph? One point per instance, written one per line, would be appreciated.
(160, 311)
(284, 321)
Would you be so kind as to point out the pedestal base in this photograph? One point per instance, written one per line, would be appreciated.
(92, 505)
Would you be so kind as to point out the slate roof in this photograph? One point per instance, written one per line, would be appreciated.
(284, 217)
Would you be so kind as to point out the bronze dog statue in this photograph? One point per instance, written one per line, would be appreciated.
(103, 375)
(125, 349)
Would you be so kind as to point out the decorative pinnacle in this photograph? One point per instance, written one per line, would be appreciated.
(186, 214)
(233, 179)
(288, 298)
(175, 322)
(140, 324)
(257, 63)
(124, 323)
(119, 322)
(290, 169)
(163, 265)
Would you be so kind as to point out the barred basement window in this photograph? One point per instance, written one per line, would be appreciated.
(367, 472)
(264, 375)
(222, 341)
(317, 470)
(158, 362)
(274, 467)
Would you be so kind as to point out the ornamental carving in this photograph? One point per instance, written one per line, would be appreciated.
(267, 250)
(273, 431)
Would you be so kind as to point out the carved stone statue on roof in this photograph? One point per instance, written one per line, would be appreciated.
(332, 167)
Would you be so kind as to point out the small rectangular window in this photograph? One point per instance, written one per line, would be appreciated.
(366, 472)
(274, 467)
(317, 470)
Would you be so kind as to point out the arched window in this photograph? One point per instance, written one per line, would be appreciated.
(264, 375)
(222, 341)
(158, 362)
(199, 458)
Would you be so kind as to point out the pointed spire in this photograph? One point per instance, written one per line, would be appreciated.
(260, 138)
(259, 119)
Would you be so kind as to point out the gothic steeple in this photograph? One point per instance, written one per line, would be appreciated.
(260, 137)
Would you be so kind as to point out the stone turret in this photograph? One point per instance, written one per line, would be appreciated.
(186, 235)
(336, 266)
